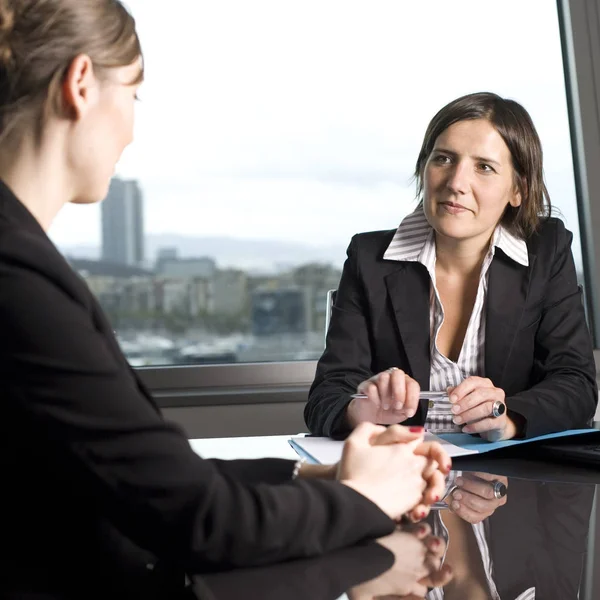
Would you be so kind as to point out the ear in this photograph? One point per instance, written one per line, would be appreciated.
(516, 200)
(518, 190)
(79, 87)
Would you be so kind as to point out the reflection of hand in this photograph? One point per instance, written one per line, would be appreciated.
(472, 402)
(417, 566)
(439, 464)
(473, 498)
(392, 397)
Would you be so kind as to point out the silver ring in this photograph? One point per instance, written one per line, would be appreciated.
(391, 369)
(498, 409)
(499, 490)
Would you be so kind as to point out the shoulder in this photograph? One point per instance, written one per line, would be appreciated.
(29, 262)
(551, 237)
(371, 244)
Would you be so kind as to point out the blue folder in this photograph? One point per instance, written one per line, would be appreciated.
(470, 442)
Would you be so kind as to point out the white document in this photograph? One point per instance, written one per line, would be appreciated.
(325, 451)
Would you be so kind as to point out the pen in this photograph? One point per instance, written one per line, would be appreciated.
(425, 395)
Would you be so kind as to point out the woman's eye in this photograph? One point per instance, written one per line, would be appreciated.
(485, 168)
(441, 159)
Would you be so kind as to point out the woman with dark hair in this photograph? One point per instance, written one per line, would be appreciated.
(101, 497)
(475, 296)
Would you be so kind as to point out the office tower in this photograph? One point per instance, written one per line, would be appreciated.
(123, 223)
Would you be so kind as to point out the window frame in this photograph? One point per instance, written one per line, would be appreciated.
(579, 22)
(247, 383)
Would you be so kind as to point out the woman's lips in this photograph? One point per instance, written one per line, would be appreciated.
(453, 208)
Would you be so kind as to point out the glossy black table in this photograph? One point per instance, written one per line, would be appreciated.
(536, 539)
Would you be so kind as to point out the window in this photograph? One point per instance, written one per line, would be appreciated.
(268, 133)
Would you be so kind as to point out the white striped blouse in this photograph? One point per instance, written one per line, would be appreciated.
(414, 241)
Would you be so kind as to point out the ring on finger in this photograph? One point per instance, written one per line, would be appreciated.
(392, 369)
(498, 409)
(500, 489)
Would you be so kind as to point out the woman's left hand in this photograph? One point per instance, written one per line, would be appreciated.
(472, 403)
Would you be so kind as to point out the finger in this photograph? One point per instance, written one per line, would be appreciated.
(474, 485)
(431, 468)
(417, 591)
(435, 451)
(438, 578)
(418, 513)
(436, 486)
(422, 531)
(383, 382)
(398, 388)
(484, 476)
(467, 386)
(477, 397)
(370, 389)
(474, 502)
(488, 424)
(468, 514)
(397, 434)
(435, 545)
(362, 434)
(411, 399)
(481, 411)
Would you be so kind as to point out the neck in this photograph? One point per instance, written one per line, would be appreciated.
(461, 257)
(36, 175)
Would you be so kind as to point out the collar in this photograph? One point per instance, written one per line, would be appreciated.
(414, 237)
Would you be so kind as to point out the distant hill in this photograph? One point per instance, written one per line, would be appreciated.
(249, 255)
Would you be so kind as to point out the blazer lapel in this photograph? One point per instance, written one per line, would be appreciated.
(508, 287)
(408, 290)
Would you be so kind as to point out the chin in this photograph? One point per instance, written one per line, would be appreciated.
(92, 194)
(88, 198)
(455, 230)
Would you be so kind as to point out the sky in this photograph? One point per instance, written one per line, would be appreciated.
(302, 121)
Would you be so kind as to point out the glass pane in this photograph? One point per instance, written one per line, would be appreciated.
(268, 133)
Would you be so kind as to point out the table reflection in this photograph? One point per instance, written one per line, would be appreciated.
(501, 537)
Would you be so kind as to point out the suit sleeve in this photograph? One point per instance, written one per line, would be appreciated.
(565, 395)
(71, 394)
(260, 470)
(346, 361)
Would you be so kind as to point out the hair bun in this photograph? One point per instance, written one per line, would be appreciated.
(7, 21)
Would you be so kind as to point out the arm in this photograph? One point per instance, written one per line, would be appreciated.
(346, 361)
(272, 470)
(565, 395)
(64, 382)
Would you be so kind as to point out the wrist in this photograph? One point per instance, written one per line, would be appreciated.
(349, 418)
(308, 471)
(518, 422)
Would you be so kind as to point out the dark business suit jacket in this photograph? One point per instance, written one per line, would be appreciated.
(100, 496)
(537, 345)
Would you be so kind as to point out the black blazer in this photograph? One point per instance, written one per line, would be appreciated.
(100, 496)
(537, 349)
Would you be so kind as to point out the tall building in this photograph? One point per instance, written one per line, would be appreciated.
(123, 223)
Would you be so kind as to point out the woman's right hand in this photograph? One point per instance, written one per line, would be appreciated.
(390, 475)
(392, 397)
